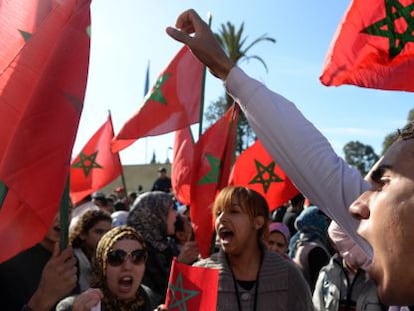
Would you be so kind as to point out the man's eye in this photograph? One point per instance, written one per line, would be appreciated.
(384, 180)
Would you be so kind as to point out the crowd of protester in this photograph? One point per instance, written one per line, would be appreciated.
(121, 259)
(301, 257)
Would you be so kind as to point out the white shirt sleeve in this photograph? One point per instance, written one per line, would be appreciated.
(300, 150)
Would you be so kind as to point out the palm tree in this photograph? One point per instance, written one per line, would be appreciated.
(234, 44)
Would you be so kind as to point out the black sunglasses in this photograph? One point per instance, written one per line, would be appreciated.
(117, 257)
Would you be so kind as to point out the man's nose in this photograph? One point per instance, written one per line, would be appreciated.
(359, 209)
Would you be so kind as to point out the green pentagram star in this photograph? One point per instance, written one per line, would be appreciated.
(156, 94)
(386, 26)
(261, 172)
(179, 301)
(26, 35)
(87, 162)
(213, 175)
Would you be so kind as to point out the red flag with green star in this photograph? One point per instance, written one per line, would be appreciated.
(192, 288)
(95, 166)
(42, 85)
(373, 46)
(210, 155)
(256, 169)
(173, 103)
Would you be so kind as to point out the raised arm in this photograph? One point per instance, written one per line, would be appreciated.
(296, 145)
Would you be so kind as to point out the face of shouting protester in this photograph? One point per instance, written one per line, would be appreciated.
(235, 230)
(125, 268)
(239, 219)
(387, 223)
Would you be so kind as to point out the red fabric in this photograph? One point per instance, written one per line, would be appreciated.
(192, 288)
(19, 18)
(41, 99)
(182, 165)
(255, 163)
(173, 102)
(228, 157)
(361, 58)
(101, 166)
(209, 156)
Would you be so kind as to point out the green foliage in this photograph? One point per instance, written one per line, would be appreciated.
(234, 44)
(245, 135)
(389, 139)
(361, 156)
(215, 110)
(411, 115)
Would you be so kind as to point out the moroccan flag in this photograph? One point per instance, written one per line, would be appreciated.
(209, 156)
(95, 166)
(256, 169)
(41, 98)
(182, 165)
(173, 102)
(373, 46)
(192, 288)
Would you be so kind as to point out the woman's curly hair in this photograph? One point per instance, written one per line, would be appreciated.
(88, 219)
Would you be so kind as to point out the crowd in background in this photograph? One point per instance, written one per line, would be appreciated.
(113, 234)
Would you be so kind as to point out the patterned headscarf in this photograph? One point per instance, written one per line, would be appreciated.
(149, 217)
(105, 245)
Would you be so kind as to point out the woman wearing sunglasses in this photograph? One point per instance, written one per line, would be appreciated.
(119, 267)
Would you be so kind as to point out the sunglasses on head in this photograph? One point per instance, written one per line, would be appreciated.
(117, 257)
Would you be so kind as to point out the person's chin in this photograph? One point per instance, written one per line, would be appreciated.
(388, 290)
(126, 296)
(394, 294)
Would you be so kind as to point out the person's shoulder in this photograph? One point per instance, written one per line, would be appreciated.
(210, 262)
(273, 261)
